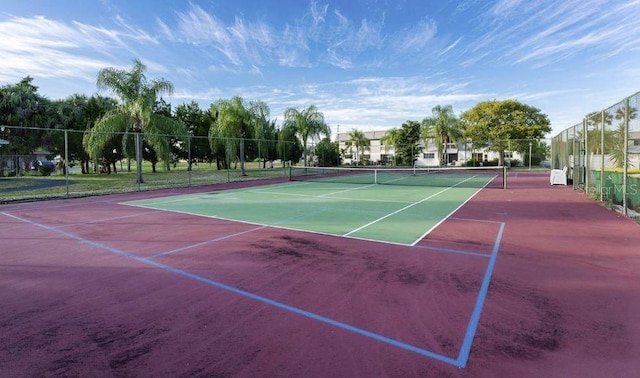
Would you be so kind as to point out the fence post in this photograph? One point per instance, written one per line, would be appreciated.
(625, 156)
(189, 157)
(602, 156)
(66, 159)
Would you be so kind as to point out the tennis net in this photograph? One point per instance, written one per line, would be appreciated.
(465, 177)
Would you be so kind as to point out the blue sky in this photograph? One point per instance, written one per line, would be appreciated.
(368, 65)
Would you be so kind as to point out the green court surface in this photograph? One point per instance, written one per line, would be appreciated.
(385, 213)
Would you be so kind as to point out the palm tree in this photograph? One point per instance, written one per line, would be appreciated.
(442, 128)
(618, 150)
(596, 120)
(237, 121)
(390, 139)
(360, 141)
(134, 114)
(308, 123)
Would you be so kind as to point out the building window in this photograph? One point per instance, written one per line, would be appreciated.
(429, 155)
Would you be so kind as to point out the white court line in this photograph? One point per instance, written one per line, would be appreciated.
(323, 196)
(107, 219)
(396, 212)
(347, 190)
(411, 205)
(449, 215)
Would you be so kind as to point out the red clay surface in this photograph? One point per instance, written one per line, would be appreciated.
(90, 287)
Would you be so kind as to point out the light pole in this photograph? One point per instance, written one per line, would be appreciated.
(530, 144)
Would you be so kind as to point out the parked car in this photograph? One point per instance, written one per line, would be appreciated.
(43, 167)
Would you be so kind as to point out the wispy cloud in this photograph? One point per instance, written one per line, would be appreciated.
(323, 35)
(450, 47)
(545, 32)
(417, 37)
(47, 48)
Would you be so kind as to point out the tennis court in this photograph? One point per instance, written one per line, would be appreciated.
(317, 277)
(344, 202)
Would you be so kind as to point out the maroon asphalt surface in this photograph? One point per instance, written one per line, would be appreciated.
(93, 288)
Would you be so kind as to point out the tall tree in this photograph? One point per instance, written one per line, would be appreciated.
(97, 107)
(596, 125)
(442, 128)
(198, 123)
(618, 149)
(308, 124)
(361, 143)
(289, 146)
(134, 115)
(68, 118)
(390, 139)
(502, 125)
(236, 121)
(327, 153)
(22, 106)
(408, 147)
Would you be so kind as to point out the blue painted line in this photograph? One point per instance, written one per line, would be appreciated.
(447, 250)
(250, 295)
(463, 356)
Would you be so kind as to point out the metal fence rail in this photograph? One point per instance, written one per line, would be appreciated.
(62, 168)
(602, 154)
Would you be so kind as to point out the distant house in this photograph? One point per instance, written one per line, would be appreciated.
(19, 164)
(454, 154)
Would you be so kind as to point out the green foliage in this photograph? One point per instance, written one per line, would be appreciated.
(618, 147)
(235, 122)
(361, 143)
(289, 146)
(134, 114)
(45, 170)
(442, 127)
(197, 122)
(407, 143)
(21, 105)
(504, 125)
(472, 163)
(307, 123)
(327, 152)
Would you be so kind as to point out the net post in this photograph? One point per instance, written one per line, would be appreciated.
(375, 176)
(504, 177)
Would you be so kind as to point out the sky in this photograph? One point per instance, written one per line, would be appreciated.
(365, 64)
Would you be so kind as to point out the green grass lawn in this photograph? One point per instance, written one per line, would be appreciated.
(31, 187)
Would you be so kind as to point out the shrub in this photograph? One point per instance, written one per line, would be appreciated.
(472, 163)
(45, 170)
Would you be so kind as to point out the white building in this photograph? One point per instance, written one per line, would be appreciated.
(379, 154)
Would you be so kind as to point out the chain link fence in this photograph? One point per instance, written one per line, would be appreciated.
(61, 167)
(602, 154)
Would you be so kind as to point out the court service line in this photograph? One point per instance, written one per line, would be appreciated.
(451, 213)
(281, 305)
(416, 203)
(445, 218)
(395, 212)
(347, 190)
(323, 196)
